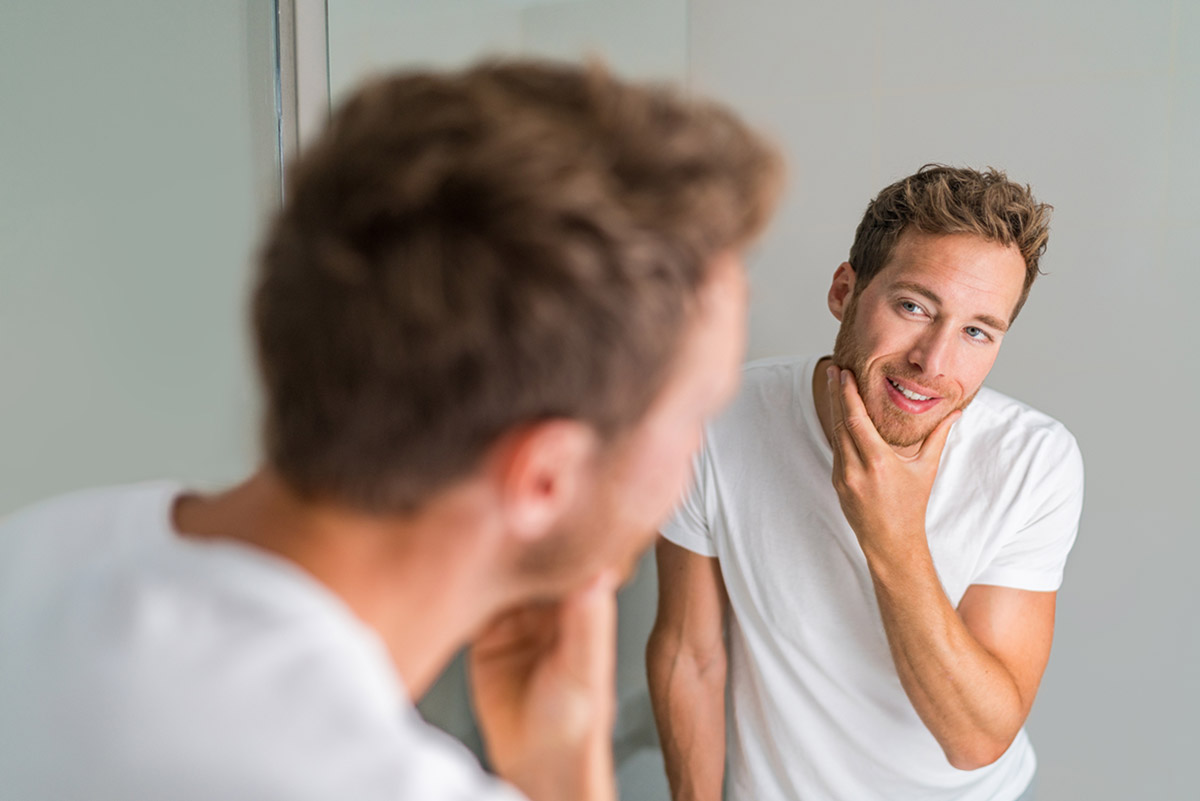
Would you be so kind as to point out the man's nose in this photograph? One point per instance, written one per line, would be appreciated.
(932, 351)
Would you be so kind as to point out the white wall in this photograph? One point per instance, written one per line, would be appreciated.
(136, 155)
(1097, 105)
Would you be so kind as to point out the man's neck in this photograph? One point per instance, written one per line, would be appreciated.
(418, 582)
(820, 393)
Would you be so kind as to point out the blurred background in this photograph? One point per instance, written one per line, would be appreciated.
(140, 144)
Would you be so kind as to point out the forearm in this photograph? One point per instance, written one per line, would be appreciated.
(688, 695)
(966, 697)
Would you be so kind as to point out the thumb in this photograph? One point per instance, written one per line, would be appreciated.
(932, 448)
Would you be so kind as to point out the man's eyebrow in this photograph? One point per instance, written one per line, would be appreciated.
(920, 290)
(986, 319)
(989, 320)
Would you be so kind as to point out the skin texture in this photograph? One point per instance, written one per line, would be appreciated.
(521, 559)
(933, 320)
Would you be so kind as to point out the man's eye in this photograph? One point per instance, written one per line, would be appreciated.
(910, 307)
(977, 333)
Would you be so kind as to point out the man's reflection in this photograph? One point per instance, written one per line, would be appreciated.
(883, 634)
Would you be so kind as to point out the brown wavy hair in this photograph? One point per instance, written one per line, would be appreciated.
(952, 200)
(464, 253)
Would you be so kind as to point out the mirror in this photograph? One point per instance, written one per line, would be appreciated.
(1097, 107)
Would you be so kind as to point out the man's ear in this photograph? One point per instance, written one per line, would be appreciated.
(542, 471)
(841, 290)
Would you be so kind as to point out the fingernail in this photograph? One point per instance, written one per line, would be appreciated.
(829, 372)
(845, 376)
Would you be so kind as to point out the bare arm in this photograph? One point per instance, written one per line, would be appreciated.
(971, 673)
(685, 661)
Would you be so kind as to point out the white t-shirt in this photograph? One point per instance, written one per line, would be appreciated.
(136, 664)
(817, 709)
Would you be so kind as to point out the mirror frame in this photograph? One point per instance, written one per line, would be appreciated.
(301, 77)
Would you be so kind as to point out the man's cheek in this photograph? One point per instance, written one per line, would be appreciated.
(670, 477)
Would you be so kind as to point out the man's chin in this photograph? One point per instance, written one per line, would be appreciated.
(905, 432)
(902, 440)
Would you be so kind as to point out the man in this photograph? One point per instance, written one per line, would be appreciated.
(886, 630)
(490, 321)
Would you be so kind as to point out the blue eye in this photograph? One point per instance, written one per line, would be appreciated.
(910, 307)
(976, 333)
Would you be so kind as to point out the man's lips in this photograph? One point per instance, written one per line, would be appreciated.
(910, 397)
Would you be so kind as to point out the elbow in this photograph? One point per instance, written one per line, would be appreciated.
(659, 650)
(669, 659)
(661, 654)
(979, 753)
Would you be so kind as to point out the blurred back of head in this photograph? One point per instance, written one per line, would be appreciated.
(463, 254)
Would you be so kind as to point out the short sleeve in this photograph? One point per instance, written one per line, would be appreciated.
(688, 526)
(1034, 557)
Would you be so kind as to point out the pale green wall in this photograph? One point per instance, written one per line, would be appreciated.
(137, 148)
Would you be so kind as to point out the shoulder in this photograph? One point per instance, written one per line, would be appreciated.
(1014, 434)
(299, 672)
(94, 508)
(44, 546)
(769, 400)
(356, 733)
(999, 417)
(253, 680)
(769, 386)
(779, 373)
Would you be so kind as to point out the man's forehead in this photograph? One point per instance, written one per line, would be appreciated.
(975, 275)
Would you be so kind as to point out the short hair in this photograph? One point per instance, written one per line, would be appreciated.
(465, 253)
(952, 200)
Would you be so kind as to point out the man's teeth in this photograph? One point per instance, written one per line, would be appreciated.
(908, 393)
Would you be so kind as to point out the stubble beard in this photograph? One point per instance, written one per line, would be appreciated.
(897, 428)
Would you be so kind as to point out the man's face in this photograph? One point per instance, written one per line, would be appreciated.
(925, 331)
(640, 478)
